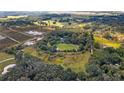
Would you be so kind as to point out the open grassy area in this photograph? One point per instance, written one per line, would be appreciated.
(15, 17)
(64, 47)
(50, 23)
(6, 19)
(75, 61)
(70, 29)
(12, 17)
(30, 50)
(4, 56)
(6, 63)
(107, 42)
(74, 27)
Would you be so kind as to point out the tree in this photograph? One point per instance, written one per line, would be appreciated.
(30, 68)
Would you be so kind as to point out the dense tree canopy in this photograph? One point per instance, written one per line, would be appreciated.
(106, 64)
(29, 68)
(52, 39)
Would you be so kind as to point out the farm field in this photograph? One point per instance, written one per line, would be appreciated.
(4, 43)
(13, 38)
(17, 36)
(106, 42)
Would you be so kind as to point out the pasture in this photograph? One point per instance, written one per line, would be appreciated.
(106, 42)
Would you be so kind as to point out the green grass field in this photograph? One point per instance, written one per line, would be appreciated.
(64, 47)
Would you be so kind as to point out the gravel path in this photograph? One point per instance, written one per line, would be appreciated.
(7, 67)
(6, 60)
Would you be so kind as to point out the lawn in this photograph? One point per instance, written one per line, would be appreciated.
(107, 42)
(64, 47)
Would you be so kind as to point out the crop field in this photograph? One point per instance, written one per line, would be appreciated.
(17, 36)
(6, 43)
(64, 47)
(12, 38)
(106, 42)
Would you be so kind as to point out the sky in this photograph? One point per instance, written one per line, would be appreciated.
(61, 5)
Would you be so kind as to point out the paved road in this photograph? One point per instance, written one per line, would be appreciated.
(6, 60)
